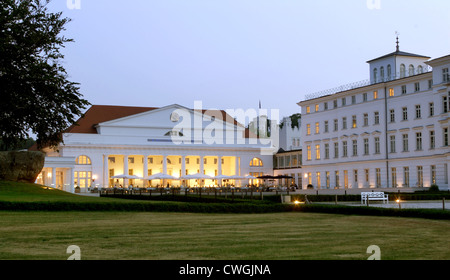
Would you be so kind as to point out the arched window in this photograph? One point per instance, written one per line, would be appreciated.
(420, 69)
(402, 71)
(83, 160)
(382, 73)
(256, 162)
(411, 70)
(375, 75)
(389, 72)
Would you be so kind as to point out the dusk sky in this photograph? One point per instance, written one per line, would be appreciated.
(232, 54)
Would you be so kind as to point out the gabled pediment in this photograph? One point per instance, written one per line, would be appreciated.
(160, 117)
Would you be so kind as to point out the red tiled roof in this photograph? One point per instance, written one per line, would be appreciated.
(103, 113)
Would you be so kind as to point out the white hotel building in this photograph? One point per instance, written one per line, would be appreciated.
(143, 141)
(391, 131)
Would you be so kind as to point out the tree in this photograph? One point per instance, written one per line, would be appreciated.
(36, 95)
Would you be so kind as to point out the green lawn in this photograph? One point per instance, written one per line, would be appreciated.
(189, 236)
(185, 236)
(12, 191)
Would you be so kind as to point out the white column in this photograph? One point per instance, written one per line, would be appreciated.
(219, 165)
(105, 171)
(125, 170)
(237, 182)
(202, 165)
(219, 169)
(145, 171)
(164, 164)
(54, 177)
(183, 165)
(72, 180)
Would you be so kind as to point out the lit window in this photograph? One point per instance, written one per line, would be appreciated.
(83, 160)
(308, 153)
(391, 92)
(317, 151)
(375, 95)
(256, 162)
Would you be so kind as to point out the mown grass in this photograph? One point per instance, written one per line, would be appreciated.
(190, 236)
(133, 235)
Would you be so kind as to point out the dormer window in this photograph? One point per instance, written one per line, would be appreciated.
(411, 70)
(173, 133)
(420, 69)
(389, 72)
(402, 71)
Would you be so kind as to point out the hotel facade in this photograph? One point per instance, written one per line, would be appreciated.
(390, 131)
(110, 141)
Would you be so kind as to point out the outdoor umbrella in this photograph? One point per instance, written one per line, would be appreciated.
(161, 176)
(237, 177)
(222, 177)
(283, 177)
(264, 177)
(121, 176)
(196, 176)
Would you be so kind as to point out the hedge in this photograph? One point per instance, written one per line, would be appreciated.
(224, 208)
(145, 207)
(357, 197)
(189, 198)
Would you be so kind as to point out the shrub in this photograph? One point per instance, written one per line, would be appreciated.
(433, 188)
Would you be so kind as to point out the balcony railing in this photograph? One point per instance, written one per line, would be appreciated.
(368, 82)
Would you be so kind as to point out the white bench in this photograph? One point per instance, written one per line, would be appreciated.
(366, 196)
